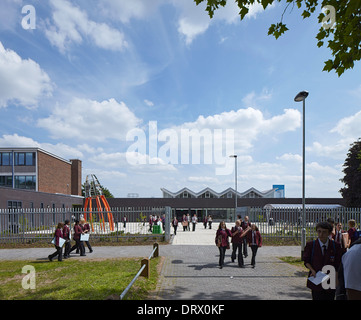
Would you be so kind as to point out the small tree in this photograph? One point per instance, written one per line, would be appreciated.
(352, 179)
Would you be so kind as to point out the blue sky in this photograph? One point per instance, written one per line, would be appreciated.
(93, 72)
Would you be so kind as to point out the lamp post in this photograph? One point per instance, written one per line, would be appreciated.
(301, 96)
(235, 181)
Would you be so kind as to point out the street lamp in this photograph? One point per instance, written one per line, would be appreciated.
(301, 96)
(235, 180)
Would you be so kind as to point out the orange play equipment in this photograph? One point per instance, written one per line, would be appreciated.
(93, 190)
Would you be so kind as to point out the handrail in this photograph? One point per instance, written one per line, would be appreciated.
(132, 282)
(156, 247)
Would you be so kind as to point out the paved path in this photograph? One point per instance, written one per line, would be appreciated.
(190, 269)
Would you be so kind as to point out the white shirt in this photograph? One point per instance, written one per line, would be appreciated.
(323, 244)
(351, 261)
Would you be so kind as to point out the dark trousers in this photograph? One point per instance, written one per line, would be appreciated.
(78, 245)
(89, 246)
(235, 247)
(175, 229)
(194, 226)
(323, 295)
(58, 252)
(254, 249)
(222, 254)
(244, 244)
(67, 248)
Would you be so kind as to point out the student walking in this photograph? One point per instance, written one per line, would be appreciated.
(222, 242)
(245, 224)
(194, 222)
(318, 253)
(175, 225)
(237, 239)
(86, 229)
(254, 239)
(67, 237)
(352, 232)
(78, 231)
(210, 221)
(59, 250)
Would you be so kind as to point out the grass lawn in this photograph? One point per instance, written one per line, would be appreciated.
(74, 279)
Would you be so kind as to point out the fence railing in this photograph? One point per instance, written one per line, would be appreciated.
(31, 225)
(144, 269)
(287, 223)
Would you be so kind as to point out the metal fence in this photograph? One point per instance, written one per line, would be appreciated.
(33, 225)
(286, 223)
(30, 225)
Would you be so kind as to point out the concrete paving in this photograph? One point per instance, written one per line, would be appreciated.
(190, 269)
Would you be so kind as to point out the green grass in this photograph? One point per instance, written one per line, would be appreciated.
(75, 279)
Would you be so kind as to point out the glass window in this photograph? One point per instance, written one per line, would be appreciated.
(30, 159)
(19, 158)
(6, 159)
(6, 181)
(30, 182)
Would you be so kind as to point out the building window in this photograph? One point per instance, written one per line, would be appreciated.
(6, 158)
(15, 204)
(24, 158)
(25, 182)
(6, 181)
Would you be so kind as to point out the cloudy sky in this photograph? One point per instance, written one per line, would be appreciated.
(122, 84)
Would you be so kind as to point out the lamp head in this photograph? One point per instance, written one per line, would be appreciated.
(233, 156)
(301, 96)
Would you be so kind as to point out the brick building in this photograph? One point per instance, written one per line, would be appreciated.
(33, 177)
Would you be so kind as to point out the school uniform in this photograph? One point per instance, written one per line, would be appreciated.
(223, 234)
(78, 244)
(337, 237)
(86, 227)
(59, 250)
(352, 235)
(175, 225)
(67, 237)
(254, 240)
(318, 255)
(245, 225)
(237, 242)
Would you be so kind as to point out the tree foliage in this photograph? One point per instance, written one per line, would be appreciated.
(344, 37)
(352, 179)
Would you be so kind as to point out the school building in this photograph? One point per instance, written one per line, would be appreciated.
(35, 178)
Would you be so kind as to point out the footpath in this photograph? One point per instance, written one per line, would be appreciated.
(190, 269)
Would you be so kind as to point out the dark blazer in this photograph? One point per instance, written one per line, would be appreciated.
(258, 238)
(58, 234)
(66, 232)
(77, 231)
(86, 227)
(332, 257)
(225, 234)
(237, 237)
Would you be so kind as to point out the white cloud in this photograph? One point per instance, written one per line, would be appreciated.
(21, 81)
(349, 127)
(290, 157)
(248, 124)
(70, 25)
(59, 149)
(148, 103)
(124, 11)
(87, 120)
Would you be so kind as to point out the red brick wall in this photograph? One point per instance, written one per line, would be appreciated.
(76, 177)
(54, 175)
